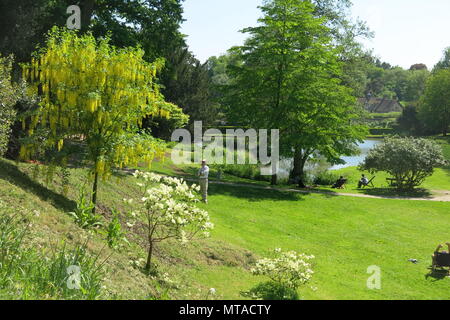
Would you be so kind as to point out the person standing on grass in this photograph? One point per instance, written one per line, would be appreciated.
(203, 174)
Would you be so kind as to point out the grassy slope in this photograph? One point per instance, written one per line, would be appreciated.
(345, 234)
(19, 190)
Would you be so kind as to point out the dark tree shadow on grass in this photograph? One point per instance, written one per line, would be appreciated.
(437, 275)
(254, 194)
(392, 192)
(314, 190)
(11, 173)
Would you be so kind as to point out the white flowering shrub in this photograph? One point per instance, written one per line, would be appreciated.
(167, 210)
(287, 272)
(408, 160)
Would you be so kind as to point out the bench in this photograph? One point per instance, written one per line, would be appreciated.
(393, 181)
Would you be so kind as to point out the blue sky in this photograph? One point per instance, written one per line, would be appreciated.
(406, 31)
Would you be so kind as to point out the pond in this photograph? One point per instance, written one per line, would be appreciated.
(354, 161)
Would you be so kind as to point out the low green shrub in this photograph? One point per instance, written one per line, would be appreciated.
(271, 291)
(325, 178)
(247, 171)
(26, 273)
(115, 236)
(83, 214)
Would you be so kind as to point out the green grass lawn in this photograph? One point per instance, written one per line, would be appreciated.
(347, 235)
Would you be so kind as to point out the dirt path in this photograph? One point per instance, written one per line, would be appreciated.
(441, 195)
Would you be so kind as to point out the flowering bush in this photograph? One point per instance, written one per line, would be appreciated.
(287, 271)
(409, 160)
(167, 209)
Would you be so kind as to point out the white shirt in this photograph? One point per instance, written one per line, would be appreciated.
(203, 172)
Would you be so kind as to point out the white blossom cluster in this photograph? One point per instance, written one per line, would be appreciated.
(289, 268)
(169, 203)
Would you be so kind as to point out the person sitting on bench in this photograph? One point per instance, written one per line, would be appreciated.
(363, 182)
(340, 183)
(441, 258)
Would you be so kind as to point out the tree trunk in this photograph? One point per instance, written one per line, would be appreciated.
(298, 170)
(87, 10)
(149, 258)
(94, 192)
(274, 180)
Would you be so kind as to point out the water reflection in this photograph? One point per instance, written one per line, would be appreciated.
(356, 160)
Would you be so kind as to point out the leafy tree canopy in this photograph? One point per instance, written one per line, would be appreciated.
(434, 107)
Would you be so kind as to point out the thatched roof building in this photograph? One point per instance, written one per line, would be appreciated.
(380, 105)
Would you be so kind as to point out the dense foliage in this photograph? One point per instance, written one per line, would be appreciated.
(385, 81)
(434, 109)
(8, 98)
(408, 123)
(151, 24)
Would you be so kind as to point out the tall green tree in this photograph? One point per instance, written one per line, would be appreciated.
(434, 107)
(444, 63)
(220, 79)
(152, 24)
(289, 80)
(409, 122)
(187, 83)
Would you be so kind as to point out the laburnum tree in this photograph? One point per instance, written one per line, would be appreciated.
(96, 94)
(289, 79)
